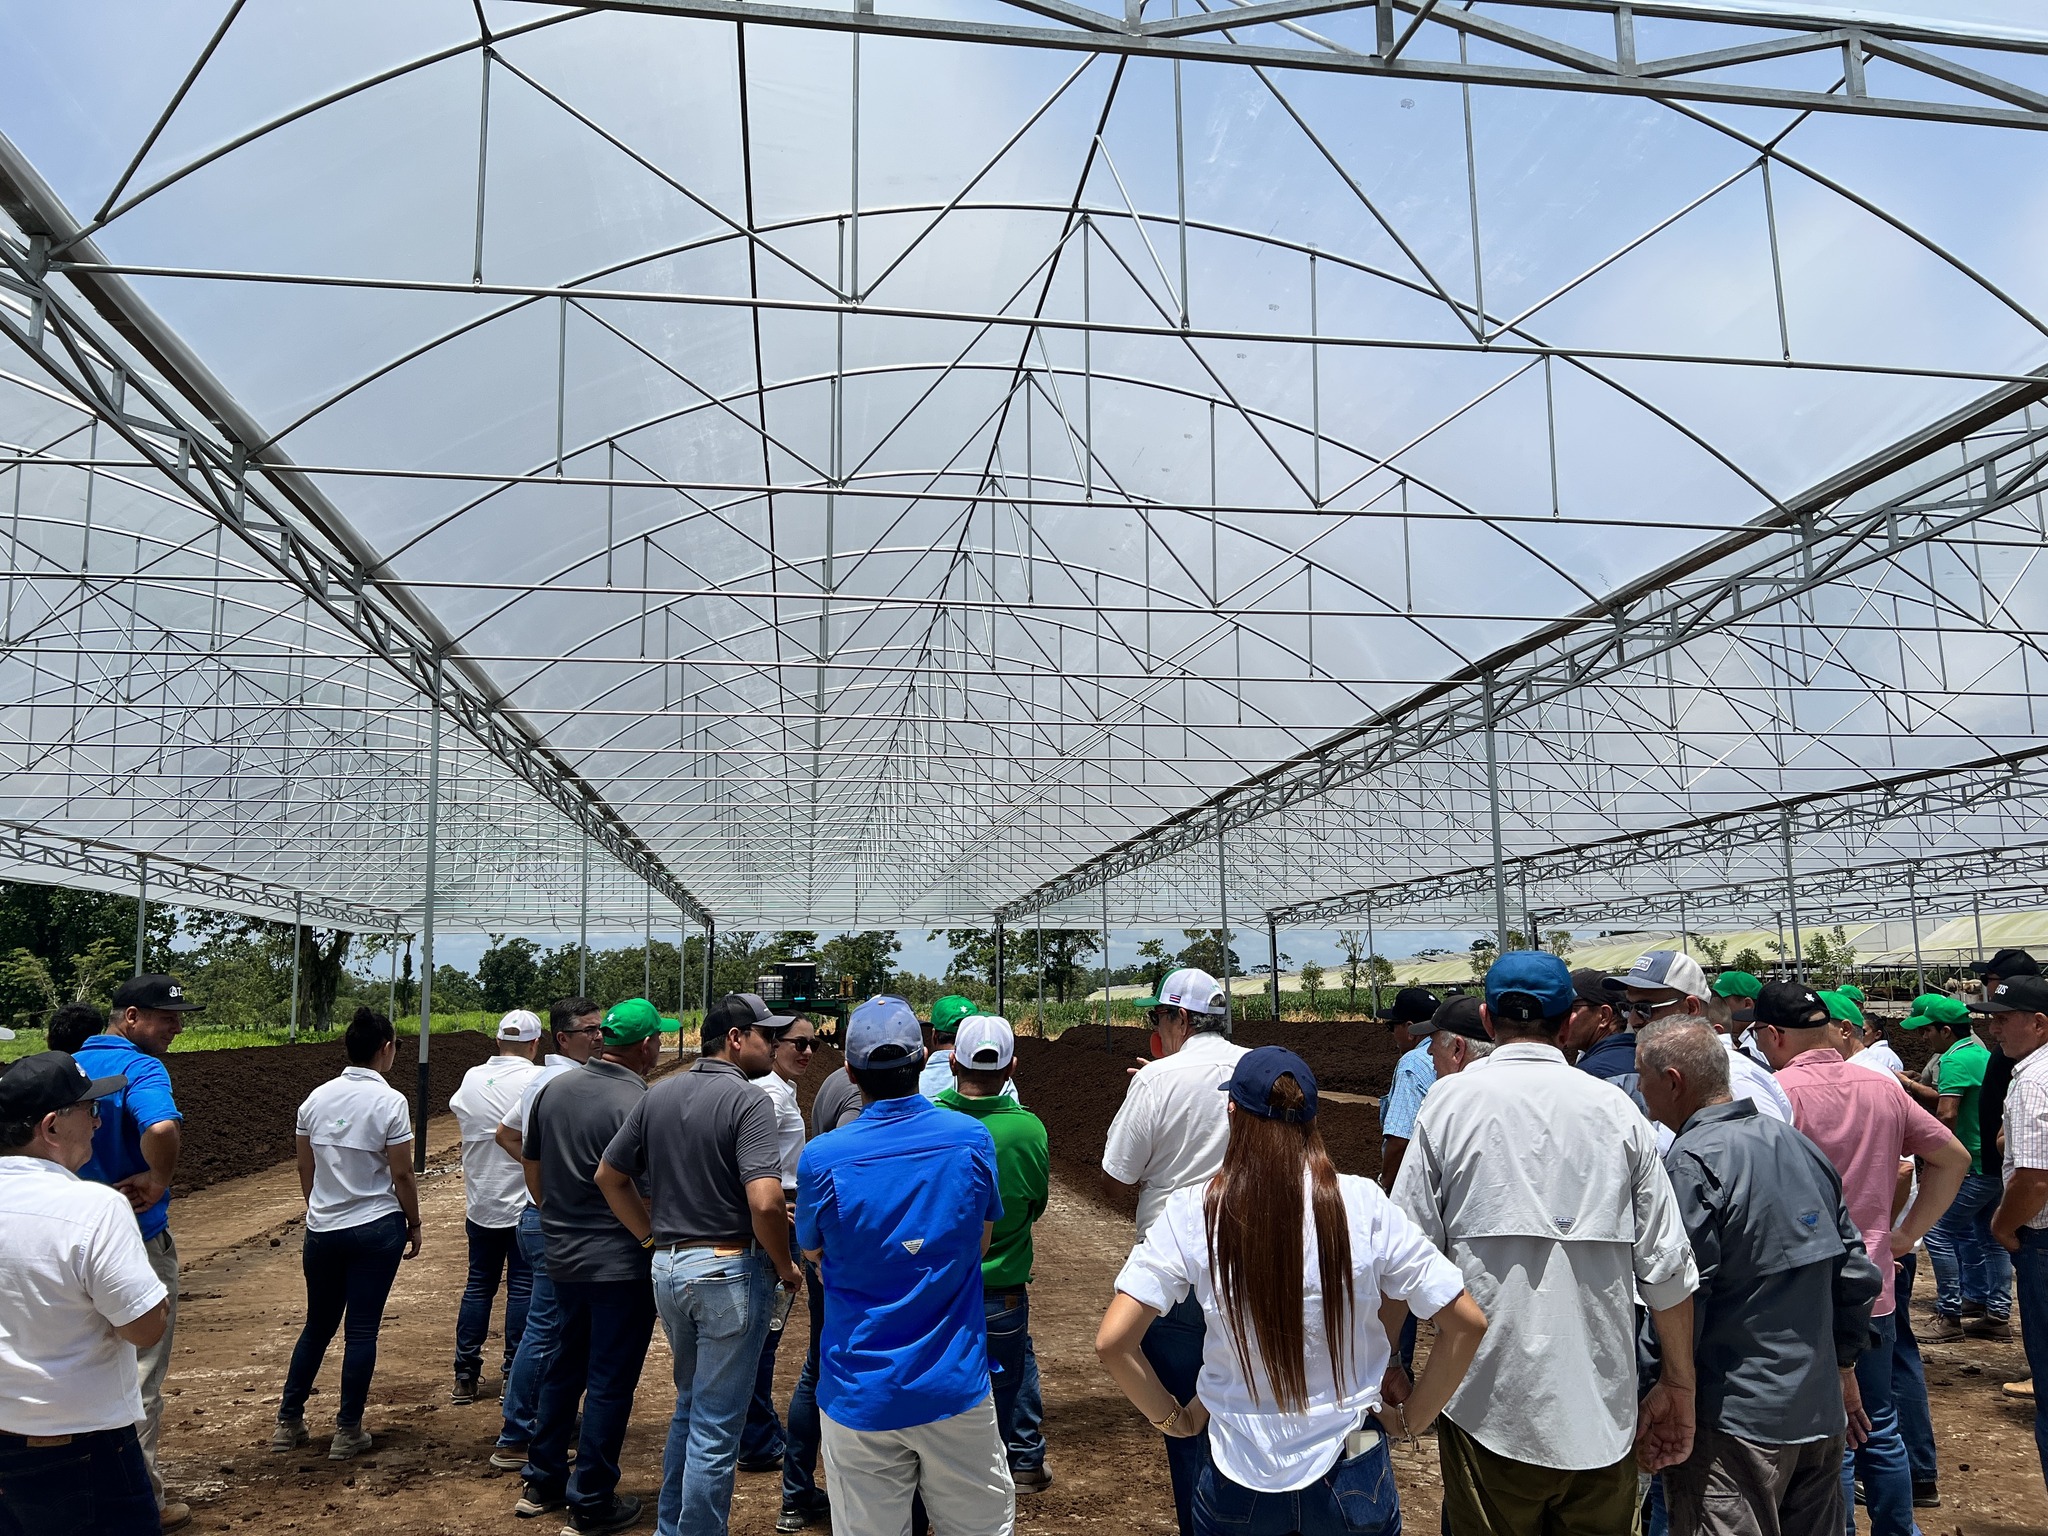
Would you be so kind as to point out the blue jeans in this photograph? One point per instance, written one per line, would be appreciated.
(1012, 1369)
(2030, 1265)
(1969, 1264)
(1909, 1380)
(96, 1483)
(800, 1444)
(1354, 1498)
(1880, 1462)
(536, 1340)
(605, 1329)
(761, 1438)
(348, 1275)
(715, 1313)
(492, 1251)
(1173, 1345)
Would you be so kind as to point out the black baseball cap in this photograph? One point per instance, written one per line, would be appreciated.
(1412, 1005)
(48, 1081)
(2024, 993)
(1460, 1016)
(746, 1010)
(1590, 986)
(2008, 962)
(1790, 1005)
(158, 994)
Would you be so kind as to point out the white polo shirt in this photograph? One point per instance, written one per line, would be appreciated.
(493, 1185)
(1174, 1123)
(353, 1121)
(72, 1270)
(551, 1067)
(789, 1124)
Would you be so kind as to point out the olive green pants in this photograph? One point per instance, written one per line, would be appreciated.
(1487, 1494)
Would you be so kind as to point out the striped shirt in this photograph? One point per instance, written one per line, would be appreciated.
(2026, 1121)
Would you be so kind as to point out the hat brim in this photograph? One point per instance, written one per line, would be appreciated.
(100, 1087)
(1985, 1006)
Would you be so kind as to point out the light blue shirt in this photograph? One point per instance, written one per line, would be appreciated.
(1414, 1075)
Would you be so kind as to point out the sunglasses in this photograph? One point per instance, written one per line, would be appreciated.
(1643, 1010)
(799, 1045)
(91, 1104)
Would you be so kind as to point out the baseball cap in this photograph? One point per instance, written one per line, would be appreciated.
(1670, 969)
(2024, 993)
(949, 1010)
(1936, 1008)
(1736, 984)
(1412, 1005)
(519, 1025)
(1527, 986)
(746, 1010)
(1195, 990)
(883, 1032)
(985, 1042)
(1591, 987)
(1458, 1016)
(1252, 1083)
(1855, 994)
(1843, 1007)
(630, 1022)
(2008, 962)
(1791, 1005)
(48, 1081)
(160, 994)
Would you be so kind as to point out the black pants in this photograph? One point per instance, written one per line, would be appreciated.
(348, 1275)
(91, 1485)
(606, 1327)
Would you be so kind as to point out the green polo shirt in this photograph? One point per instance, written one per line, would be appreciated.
(1023, 1166)
(1962, 1075)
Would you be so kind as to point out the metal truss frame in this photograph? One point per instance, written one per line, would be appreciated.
(225, 463)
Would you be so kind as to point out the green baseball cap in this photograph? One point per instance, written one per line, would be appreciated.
(949, 1010)
(1855, 995)
(1842, 1007)
(632, 1021)
(1935, 1008)
(1736, 984)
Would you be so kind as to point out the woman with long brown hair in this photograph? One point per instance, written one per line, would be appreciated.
(1304, 1276)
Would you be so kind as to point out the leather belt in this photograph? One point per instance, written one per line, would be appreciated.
(729, 1245)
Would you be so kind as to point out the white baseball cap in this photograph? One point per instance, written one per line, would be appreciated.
(1666, 969)
(1195, 990)
(519, 1025)
(985, 1042)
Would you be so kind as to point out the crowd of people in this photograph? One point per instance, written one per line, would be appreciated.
(1662, 1229)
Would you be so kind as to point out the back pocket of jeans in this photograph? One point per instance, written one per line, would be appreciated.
(1363, 1487)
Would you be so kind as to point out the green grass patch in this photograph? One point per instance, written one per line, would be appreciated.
(199, 1037)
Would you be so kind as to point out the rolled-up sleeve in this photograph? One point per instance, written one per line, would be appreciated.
(1665, 1269)
(1156, 1274)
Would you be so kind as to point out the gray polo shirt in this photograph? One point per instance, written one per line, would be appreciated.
(1785, 1285)
(838, 1103)
(569, 1124)
(699, 1137)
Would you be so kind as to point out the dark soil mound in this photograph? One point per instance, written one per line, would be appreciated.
(241, 1107)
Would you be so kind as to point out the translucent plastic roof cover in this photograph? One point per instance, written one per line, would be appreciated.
(890, 470)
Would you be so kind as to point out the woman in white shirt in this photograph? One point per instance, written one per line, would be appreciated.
(1303, 1276)
(362, 1214)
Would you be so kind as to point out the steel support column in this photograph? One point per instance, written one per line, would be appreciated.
(1500, 884)
(1792, 897)
(419, 1119)
(999, 971)
(1913, 917)
(1108, 1042)
(710, 949)
(583, 927)
(1223, 915)
(141, 911)
(1273, 967)
(291, 1032)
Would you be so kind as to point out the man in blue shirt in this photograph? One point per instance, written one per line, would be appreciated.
(135, 1149)
(1413, 1075)
(897, 1209)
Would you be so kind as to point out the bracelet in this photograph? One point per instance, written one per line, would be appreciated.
(647, 1241)
(1173, 1418)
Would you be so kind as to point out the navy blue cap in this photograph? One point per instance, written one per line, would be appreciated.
(1252, 1082)
(1527, 986)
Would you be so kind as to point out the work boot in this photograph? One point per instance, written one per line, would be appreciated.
(1989, 1326)
(1031, 1479)
(2021, 1391)
(174, 1517)
(289, 1435)
(349, 1440)
(1941, 1329)
(533, 1502)
(465, 1391)
(508, 1458)
(1926, 1495)
(622, 1515)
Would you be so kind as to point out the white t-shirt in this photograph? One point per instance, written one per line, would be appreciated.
(551, 1067)
(1173, 1125)
(1254, 1443)
(72, 1270)
(493, 1185)
(789, 1123)
(1746, 1080)
(1878, 1058)
(353, 1121)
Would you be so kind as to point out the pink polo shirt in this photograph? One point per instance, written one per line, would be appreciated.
(1865, 1122)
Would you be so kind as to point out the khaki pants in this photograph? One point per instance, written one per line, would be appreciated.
(1487, 1494)
(1732, 1487)
(958, 1464)
(154, 1363)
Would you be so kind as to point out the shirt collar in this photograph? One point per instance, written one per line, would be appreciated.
(1204, 1042)
(718, 1064)
(905, 1108)
(363, 1074)
(995, 1104)
(559, 1061)
(612, 1069)
(1711, 1114)
(2031, 1061)
(1529, 1050)
(1819, 1056)
(24, 1166)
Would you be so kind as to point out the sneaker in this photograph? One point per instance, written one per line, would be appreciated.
(1989, 1326)
(1941, 1329)
(791, 1520)
(349, 1440)
(623, 1515)
(1926, 1496)
(1031, 1479)
(2020, 1391)
(761, 1463)
(289, 1435)
(465, 1391)
(174, 1517)
(508, 1458)
(533, 1502)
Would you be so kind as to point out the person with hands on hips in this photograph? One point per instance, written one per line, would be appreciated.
(1303, 1276)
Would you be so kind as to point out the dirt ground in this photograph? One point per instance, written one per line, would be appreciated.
(241, 1304)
